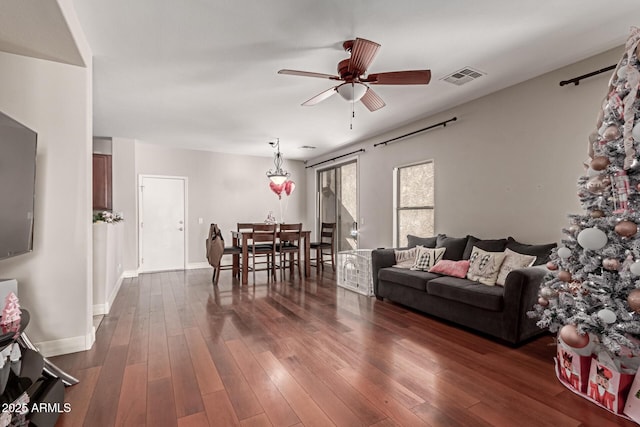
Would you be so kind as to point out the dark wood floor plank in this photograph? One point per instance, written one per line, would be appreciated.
(393, 408)
(106, 394)
(79, 397)
(139, 344)
(206, 373)
(219, 409)
(158, 365)
(242, 398)
(161, 409)
(186, 396)
(132, 405)
(275, 406)
(331, 404)
(303, 405)
(194, 420)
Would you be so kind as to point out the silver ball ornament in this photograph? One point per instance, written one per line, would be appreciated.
(592, 238)
(607, 316)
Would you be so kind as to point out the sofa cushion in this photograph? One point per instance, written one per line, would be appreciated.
(491, 245)
(467, 292)
(402, 277)
(454, 246)
(451, 268)
(484, 266)
(427, 257)
(513, 261)
(405, 258)
(427, 242)
(541, 252)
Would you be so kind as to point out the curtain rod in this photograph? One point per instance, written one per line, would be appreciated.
(576, 80)
(443, 124)
(336, 158)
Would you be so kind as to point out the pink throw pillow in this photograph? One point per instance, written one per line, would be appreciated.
(451, 268)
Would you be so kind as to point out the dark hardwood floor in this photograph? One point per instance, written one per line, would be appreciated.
(174, 350)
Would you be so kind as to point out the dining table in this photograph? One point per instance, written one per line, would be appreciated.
(242, 238)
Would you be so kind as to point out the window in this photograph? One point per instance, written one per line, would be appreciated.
(414, 201)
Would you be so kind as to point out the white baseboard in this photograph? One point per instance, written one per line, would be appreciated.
(198, 265)
(100, 309)
(129, 274)
(67, 345)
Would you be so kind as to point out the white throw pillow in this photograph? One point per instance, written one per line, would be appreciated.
(484, 266)
(513, 260)
(427, 257)
(405, 258)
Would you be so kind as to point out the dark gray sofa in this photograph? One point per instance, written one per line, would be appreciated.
(499, 311)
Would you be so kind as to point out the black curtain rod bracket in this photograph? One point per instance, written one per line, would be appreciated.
(335, 158)
(443, 124)
(576, 80)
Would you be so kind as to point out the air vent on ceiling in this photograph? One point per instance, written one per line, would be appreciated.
(308, 147)
(462, 76)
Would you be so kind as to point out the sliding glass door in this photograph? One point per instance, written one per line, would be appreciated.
(338, 202)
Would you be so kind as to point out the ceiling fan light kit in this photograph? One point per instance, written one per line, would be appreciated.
(351, 72)
(353, 91)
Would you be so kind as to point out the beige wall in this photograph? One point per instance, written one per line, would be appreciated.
(508, 166)
(54, 281)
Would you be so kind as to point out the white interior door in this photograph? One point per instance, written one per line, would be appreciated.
(162, 223)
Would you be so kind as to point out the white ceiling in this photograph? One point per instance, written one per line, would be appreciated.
(202, 74)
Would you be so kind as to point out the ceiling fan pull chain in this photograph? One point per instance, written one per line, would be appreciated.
(353, 115)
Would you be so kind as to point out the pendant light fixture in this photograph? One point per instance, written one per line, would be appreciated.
(277, 175)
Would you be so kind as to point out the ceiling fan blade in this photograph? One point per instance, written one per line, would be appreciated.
(363, 53)
(372, 101)
(413, 77)
(320, 97)
(309, 74)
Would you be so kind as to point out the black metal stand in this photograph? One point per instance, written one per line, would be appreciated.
(49, 367)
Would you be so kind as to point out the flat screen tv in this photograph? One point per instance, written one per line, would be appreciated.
(17, 187)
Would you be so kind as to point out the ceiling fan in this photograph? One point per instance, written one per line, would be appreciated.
(351, 72)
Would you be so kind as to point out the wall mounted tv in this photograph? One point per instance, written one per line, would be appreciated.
(17, 187)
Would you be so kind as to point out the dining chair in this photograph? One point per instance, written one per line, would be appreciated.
(233, 250)
(326, 243)
(263, 244)
(289, 245)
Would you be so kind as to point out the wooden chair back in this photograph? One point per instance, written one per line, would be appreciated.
(291, 233)
(327, 233)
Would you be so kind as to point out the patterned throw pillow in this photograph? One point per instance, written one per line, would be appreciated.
(405, 258)
(512, 261)
(451, 268)
(427, 257)
(484, 266)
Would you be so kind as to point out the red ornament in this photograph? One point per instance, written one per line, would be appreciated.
(543, 301)
(626, 228)
(552, 266)
(565, 276)
(611, 133)
(634, 300)
(572, 338)
(599, 163)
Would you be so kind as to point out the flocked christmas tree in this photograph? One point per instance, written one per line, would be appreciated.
(593, 291)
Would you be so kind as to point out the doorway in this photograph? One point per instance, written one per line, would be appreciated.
(338, 202)
(162, 227)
